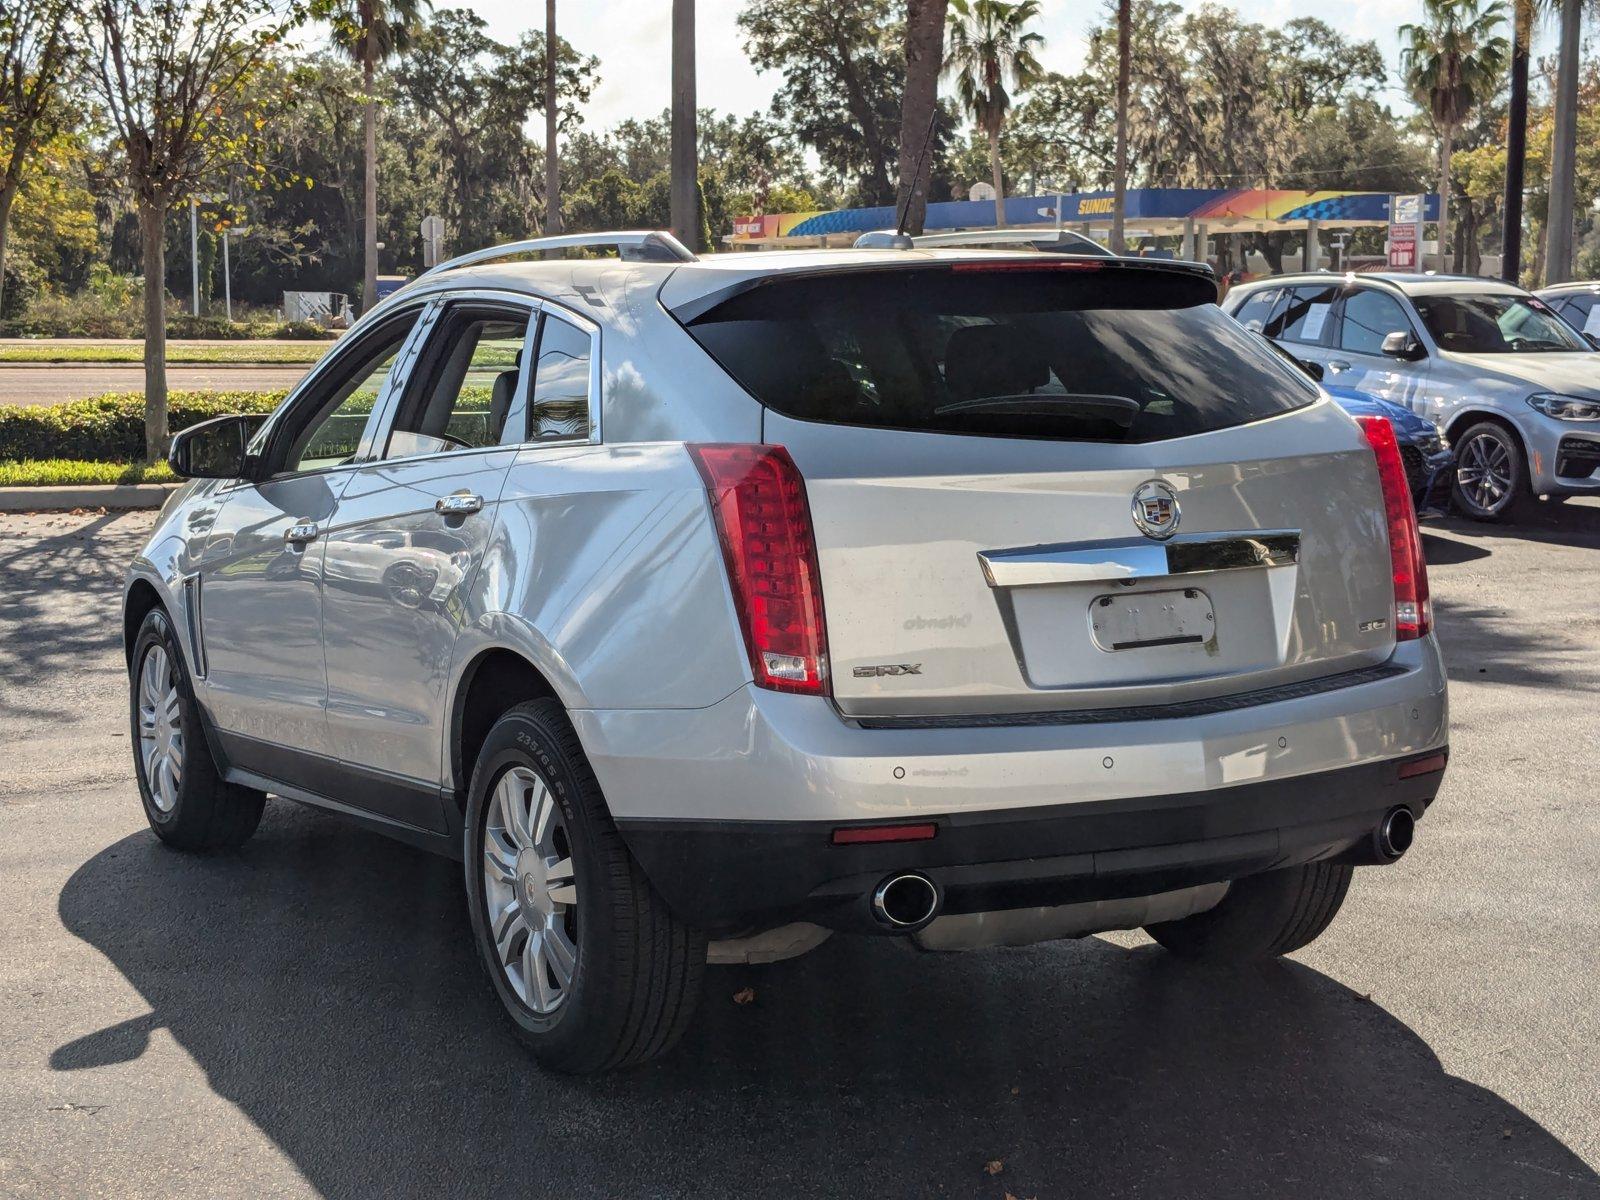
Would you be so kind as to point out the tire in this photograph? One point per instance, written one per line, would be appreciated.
(1496, 473)
(1261, 916)
(601, 974)
(188, 803)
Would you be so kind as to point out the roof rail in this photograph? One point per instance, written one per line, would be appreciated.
(634, 245)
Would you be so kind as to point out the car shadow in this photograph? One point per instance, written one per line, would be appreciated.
(1440, 551)
(323, 979)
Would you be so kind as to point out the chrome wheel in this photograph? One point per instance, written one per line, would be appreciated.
(160, 729)
(1485, 471)
(529, 889)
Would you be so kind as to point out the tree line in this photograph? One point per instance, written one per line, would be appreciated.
(316, 134)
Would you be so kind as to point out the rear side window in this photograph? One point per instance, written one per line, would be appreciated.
(1369, 317)
(1305, 317)
(1256, 309)
(560, 409)
(1112, 354)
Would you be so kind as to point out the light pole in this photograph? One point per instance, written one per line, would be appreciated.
(227, 269)
(194, 244)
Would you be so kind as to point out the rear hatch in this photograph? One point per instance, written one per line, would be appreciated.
(1045, 485)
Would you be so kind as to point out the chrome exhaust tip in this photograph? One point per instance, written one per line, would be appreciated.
(1395, 834)
(906, 902)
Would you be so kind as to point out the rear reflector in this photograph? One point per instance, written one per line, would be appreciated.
(1422, 766)
(856, 835)
(1413, 614)
(759, 500)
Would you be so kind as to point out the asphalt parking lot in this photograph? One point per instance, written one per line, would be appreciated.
(306, 1017)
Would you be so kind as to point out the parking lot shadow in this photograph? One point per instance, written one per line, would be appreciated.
(324, 981)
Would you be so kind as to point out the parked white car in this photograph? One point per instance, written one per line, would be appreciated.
(967, 597)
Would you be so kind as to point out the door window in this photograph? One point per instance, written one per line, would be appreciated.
(1256, 309)
(1305, 317)
(560, 408)
(469, 386)
(1369, 317)
(1582, 313)
(336, 412)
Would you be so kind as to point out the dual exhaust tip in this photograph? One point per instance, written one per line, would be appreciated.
(906, 902)
(1394, 834)
(910, 900)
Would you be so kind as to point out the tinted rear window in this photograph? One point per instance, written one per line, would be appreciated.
(1116, 355)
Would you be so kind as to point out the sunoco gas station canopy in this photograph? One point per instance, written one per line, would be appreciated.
(1151, 212)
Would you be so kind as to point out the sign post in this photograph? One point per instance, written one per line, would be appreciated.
(1405, 233)
(432, 241)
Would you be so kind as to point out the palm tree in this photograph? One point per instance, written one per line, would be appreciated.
(1564, 145)
(552, 117)
(989, 48)
(924, 51)
(371, 32)
(1453, 61)
(1119, 182)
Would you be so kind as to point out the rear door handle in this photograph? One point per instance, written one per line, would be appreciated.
(1338, 364)
(458, 504)
(300, 533)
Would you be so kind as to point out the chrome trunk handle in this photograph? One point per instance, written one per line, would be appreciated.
(1100, 562)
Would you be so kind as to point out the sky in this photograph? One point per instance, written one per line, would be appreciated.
(632, 37)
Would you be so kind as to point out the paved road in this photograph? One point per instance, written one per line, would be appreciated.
(306, 1017)
(27, 383)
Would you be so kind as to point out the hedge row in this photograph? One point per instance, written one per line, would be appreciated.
(111, 428)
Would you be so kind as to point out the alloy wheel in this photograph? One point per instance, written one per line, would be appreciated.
(530, 890)
(1485, 472)
(160, 729)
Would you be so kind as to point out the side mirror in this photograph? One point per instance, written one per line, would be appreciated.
(214, 449)
(1313, 369)
(1400, 344)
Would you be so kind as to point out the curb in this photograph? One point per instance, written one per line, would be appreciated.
(97, 495)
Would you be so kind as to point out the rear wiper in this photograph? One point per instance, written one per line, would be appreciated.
(1120, 410)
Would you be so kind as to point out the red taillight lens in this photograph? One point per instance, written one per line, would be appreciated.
(1413, 614)
(759, 500)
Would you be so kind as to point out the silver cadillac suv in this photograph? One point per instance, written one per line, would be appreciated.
(706, 607)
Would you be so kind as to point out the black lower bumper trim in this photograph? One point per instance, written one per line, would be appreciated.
(732, 876)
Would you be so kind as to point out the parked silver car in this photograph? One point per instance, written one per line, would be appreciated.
(1515, 389)
(1576, 302)
(704, 607)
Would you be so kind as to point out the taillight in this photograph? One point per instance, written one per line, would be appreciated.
(1413, 614)
(759, 500)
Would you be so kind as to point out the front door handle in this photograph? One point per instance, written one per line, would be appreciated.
(458, 504)
(300, 533)
(1338, 364)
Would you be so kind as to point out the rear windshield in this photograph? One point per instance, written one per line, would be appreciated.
(1112, 355)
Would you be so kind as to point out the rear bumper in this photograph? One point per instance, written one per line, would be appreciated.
(729, 809)
(732, 876)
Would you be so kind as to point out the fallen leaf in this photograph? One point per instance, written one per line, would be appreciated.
(745, 996)
(994, 1166)
(1016, 1091)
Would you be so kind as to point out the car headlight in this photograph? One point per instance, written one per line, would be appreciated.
(1566, 408)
